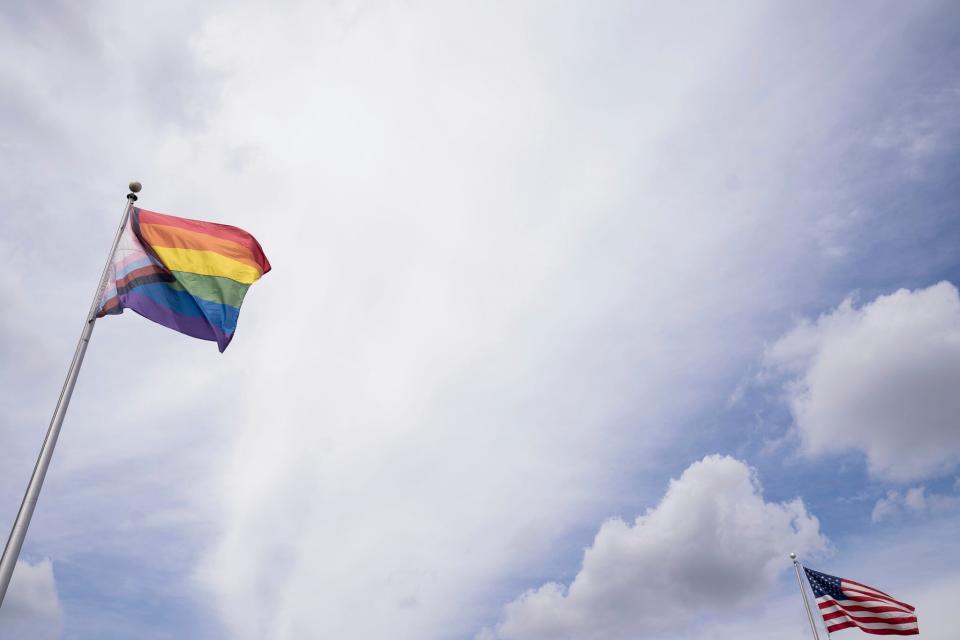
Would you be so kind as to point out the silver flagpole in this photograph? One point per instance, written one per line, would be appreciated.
(19, 531)
(803, 592)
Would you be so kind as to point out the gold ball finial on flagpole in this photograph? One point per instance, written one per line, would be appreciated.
(134, 189)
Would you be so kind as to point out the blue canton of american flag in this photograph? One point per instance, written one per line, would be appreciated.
(844, 604)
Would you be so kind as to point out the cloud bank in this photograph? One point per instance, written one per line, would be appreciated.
(516, 246)
(713, 542)
(881, 379)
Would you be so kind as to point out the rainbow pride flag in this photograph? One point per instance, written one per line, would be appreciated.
(188, 275)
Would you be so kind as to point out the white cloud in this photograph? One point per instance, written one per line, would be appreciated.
(712, 543)
(31, 609)
(514, 244)
(481, 272)
(914, 501)
(881, 379)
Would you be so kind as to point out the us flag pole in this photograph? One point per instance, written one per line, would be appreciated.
(11, 552)
(803, 592)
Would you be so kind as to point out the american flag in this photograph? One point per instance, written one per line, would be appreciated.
(844, 604)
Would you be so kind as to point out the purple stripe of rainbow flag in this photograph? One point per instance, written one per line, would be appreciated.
(188, 275)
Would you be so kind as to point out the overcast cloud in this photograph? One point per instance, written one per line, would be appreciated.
(522, 253)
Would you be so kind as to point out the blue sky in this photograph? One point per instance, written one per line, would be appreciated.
(539, 271)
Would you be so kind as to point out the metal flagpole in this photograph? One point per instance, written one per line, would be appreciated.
(19, 531)
(803, 592)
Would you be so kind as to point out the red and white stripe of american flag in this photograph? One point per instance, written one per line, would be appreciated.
(869, 610)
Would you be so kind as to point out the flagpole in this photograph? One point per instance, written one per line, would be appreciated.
(803, 592)
(11, 551)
